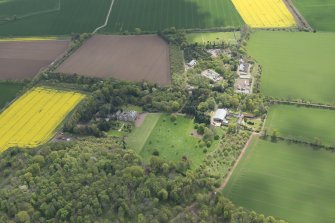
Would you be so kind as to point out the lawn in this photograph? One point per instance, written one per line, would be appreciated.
(289, 181)
(8, 92)
(295, 64)
(302, 123)
(319, 14)
(74, 16)
(173, 141)
(139, 136)
(153, 15)
(217, 37)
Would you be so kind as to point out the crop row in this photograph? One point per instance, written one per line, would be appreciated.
(33, 118)
(265, 13)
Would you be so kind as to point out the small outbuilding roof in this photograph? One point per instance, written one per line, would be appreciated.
(220, 114)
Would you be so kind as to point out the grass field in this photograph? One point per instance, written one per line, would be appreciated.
(295, 65)
(302, 123)
(319, 14)
(289, 181)
(217, 37)
(139, 136)
(8, 92)
(74, 16)
(32, 119)
(151, 15)
(173, 141)
(265, 13)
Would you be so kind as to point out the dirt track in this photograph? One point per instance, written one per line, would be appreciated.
(22, 60)
(130, 58)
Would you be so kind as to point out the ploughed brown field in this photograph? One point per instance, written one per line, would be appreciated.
(24, 59)
(129, 58)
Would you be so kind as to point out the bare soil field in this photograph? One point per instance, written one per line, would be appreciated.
(129, 58)
(23, 59)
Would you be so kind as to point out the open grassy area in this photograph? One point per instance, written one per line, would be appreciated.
(302, 123)
(319, 14)
(139, 136)
(290, 181)
(295, 64)
(8, 92)
(73, 16)
(173, 141)
(217, 37)
(151, 15)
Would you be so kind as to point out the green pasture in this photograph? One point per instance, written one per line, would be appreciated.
(296, 65)
(139, 135)
(302, 123)
(8, 92)
(73, 16)
(288, 181)
(173, 141)
(319, 14)
(213, 37)
(153, 15)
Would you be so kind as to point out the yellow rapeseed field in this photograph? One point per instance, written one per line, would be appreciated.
(265, 13)
(32, 119)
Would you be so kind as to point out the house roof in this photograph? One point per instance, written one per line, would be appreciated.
(220, 114)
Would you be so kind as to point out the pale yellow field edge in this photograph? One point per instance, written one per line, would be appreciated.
(27, 39)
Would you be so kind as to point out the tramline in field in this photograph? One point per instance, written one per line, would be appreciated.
(265, 13)
(32, 119)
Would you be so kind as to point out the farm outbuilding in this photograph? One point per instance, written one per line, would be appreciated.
(220, 115)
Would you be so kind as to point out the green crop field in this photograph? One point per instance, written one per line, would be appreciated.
(217, 37)
(295, 64)
(73, 16)
(152, 15)
(302, 123)
(24, 8)
(173, 141)
(139, 136)
(289, 181)
(8, 92)
(319, 14)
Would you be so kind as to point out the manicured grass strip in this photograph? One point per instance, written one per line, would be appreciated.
(8, 92)
(319, 14)
(302, 123)
(214, 37)
(295, 64)
(139, 136)
(290, 181)
(173, 141)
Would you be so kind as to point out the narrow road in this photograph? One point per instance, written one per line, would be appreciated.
(230, 173)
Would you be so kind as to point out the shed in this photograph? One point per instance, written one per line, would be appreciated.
(220, 115)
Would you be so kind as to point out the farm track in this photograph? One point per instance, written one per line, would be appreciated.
(301, 21)
(226, 180)
(107, 18)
